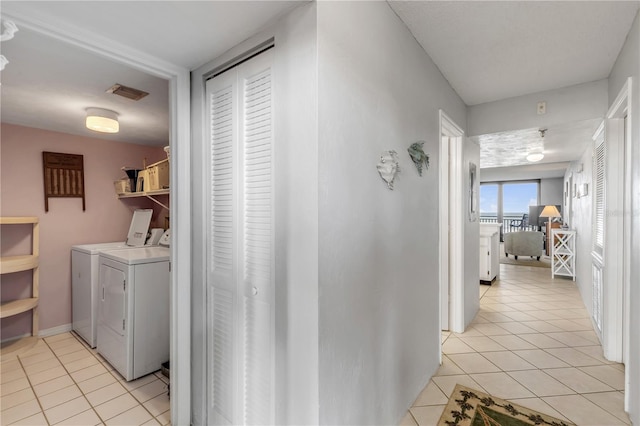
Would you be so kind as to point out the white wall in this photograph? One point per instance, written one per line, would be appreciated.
(628, 65)
(580, 220)
(296, 211)
(569, 104)
(551, 191)
(296, 180)
(378, 265)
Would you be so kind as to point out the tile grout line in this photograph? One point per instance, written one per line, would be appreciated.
(34, 393)
(576, 326)
(117, 381)
(76, 383)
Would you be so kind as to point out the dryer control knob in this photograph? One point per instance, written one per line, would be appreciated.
(254, 291)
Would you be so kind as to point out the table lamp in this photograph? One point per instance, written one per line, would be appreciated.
(551, 212)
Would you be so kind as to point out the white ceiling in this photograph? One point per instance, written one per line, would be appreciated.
(49, 84)
(492, 50)
(511, 148)
(486, 50)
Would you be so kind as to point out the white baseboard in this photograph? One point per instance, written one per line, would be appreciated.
(64, 328)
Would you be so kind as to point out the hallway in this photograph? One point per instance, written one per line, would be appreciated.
(531, 343)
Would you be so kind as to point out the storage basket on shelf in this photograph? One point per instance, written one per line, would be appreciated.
(157, 176)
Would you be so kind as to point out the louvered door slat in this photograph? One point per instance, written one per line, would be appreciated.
(599, 195)
(222, 295)
(222, 328)
(222, 173)
(258, 247)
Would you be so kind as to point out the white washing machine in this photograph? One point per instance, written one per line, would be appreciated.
(134, 311)
(84, 275)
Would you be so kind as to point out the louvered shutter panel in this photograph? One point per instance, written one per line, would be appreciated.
(599, 195)
(596, 274)
(222, 290)
(240, 334)
(257, 242)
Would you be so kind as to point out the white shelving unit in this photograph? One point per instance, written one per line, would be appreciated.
(148, 194)
(563, 253)
(11, 264)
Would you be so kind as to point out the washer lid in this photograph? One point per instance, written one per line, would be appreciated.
(136, 256)
(139, 227)
(98, 247)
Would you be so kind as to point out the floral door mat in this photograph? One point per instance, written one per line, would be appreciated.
(469, 407)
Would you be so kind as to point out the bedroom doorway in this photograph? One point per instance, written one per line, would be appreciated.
(451, 225)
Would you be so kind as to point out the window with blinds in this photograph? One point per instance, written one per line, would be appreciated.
(598, 194)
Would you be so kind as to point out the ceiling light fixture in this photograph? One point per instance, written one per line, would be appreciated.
(535, 156)
(102, 120)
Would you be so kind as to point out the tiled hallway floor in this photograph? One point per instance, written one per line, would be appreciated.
(531, 343)
(62, 381)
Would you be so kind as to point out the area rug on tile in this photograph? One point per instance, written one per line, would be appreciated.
(470, 407)
(544, 262)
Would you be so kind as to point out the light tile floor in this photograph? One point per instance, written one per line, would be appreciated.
(531, 343)
(61, 381)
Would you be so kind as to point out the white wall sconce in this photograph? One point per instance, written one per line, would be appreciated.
(102, 120)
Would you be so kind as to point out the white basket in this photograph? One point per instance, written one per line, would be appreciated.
(122, 186)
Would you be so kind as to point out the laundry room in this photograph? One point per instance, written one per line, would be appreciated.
(83, 185)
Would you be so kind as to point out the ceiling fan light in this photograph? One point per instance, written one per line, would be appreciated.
(102, 120)
(534, 157)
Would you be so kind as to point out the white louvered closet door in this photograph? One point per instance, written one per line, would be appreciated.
(241, 245)
(598, 222)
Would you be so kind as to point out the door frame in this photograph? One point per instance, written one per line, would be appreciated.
(451, 229)
(617, 250)
(179, 140)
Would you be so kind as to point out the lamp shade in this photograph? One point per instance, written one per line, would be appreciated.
(550, 211)
(102, 120)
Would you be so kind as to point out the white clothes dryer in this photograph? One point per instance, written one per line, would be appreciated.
(134, 311)
(84, 275)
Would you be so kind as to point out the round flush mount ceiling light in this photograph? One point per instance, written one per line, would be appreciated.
(534, 157)
(102, 120)
(537, 155)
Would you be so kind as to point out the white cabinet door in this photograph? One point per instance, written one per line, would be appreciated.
(240, 250)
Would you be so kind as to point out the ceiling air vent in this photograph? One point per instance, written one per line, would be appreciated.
(127, 92)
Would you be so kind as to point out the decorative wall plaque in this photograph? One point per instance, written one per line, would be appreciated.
(418, 156)
(388, 167)
(63, 176)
